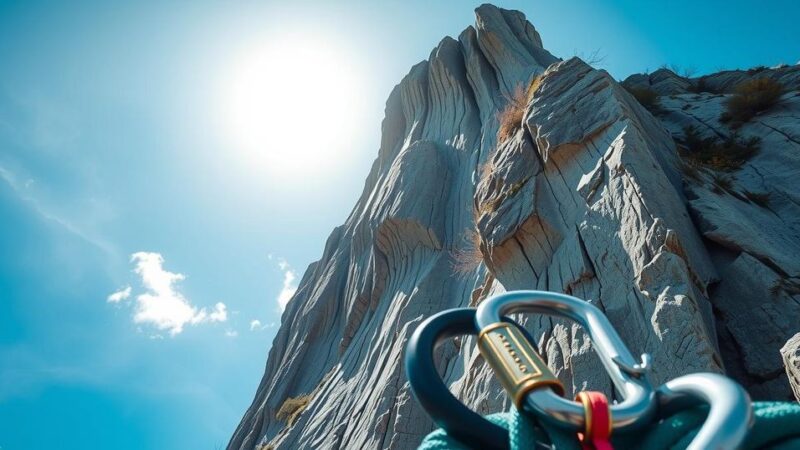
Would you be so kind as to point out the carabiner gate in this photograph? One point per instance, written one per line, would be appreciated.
(523, 373)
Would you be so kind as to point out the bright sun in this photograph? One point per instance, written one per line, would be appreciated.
(293, 107)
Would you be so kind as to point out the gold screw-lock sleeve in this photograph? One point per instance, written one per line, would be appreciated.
(515, 362)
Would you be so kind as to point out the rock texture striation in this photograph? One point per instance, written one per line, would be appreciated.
(587, 193)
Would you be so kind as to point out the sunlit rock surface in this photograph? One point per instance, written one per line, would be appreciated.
(588, 196)
(791, 358)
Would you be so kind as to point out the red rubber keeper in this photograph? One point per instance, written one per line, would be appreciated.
(598, 421)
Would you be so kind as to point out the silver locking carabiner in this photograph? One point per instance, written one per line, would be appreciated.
(507, 348)
(520, 373)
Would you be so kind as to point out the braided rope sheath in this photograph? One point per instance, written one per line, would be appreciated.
(777, 427)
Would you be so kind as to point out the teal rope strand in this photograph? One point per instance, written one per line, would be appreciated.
(776, 427)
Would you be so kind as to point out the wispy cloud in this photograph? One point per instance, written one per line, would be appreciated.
(256, 325)
(162, 305)
(22, 187)
(289, 281)
(120, 295)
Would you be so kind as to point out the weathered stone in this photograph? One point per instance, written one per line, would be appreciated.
(586, 196)
(750, 218)
(757, 316)
(791, 360)
(662, 81)
(667, 82)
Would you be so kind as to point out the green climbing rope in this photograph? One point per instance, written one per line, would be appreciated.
(777, 427)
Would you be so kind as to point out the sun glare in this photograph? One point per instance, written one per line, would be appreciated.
(293, 106)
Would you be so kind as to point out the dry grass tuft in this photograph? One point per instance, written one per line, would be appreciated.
(787, 285)
(751, 98)
(722, 183)
(511, 116)
(719, 154)
(486, 170)
(647, 98)
(690, 170)
(494, 203)
(292, 407)
(702, 86)
(485, 173)
(469, 257)
(489, 206)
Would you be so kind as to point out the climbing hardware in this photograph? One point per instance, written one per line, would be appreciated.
(696, 411)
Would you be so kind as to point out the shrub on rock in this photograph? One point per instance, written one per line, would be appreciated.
(719, 154)
(292, 407)
(511, 116)
(751, 98)
(647, 98)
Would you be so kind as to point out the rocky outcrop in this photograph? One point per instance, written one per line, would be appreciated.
(666, 82)
(791, 358)
(587, 194)
(750, 220)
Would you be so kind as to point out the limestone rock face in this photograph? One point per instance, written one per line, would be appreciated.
(750, 221)
(586, 194)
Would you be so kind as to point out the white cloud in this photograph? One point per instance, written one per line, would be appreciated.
(289, 286)
(289, 277)
(162, 305)
(256, 325)
(120, 295)
(231, 333)
(220, 313)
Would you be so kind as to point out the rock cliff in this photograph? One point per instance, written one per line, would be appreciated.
(504, 167)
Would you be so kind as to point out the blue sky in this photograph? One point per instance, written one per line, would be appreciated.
(118, 168)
